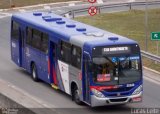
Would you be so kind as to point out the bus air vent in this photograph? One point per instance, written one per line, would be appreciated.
(51, 19)
(95, 34)
(60, 22)
(43, 17)
(113, 39)
(81, 29)
(71, 25)
(37, 14)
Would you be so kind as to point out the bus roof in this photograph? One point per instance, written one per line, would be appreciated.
(77, 33)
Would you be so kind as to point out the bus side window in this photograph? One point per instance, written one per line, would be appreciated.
(76, 57)
(44, 42)
(29, 36)
(15, 30)
(36, 39)
(65, 52)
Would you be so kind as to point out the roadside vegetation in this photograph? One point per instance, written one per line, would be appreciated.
(130, 24)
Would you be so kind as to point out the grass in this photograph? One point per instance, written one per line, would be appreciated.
(132, 25)
(19, 3)
(151, 64)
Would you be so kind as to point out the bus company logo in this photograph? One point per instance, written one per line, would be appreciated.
(27, 52)
(80, 76)
(13, 45)
(114, 59)
(118, 94)
(62, 68)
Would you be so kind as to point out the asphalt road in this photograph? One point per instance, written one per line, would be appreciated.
(57, 99)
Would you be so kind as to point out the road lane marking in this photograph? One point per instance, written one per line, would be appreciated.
(22, 10)
(33, 97)
(100, 1)
(154, 71)
(40, 5)
(3, 15)
(131, 1)
(152, 80)
(11, 87)
(47, 7)
(71, 4)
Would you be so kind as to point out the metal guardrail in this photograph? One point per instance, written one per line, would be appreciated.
(150, 56)
(128, 6)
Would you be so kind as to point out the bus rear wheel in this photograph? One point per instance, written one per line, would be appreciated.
(76, 97)
(34, 73)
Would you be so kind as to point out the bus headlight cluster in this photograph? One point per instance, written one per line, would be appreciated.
(97, 93)
(138, 90)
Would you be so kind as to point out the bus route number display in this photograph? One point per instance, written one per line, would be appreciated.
(114, 50)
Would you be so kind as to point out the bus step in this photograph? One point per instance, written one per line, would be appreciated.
(54, 86)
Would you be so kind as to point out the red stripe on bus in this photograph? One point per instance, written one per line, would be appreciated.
(103, 87)
(54, 76)
(54, 73)
(49, 66)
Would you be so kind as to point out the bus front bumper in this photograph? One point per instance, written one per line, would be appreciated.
(96, 101)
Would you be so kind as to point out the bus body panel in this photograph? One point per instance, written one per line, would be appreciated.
(33, 56)
(59, 78)
(64, 75)
(44, 67)
(15, 52)
(76, 77)
(86, 77)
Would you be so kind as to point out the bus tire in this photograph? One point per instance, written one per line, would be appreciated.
(34, 73)
(76, 96)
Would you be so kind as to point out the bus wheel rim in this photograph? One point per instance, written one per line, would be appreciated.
(76, 96)
(34, 73)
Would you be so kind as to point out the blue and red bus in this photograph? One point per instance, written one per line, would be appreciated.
(92, 65)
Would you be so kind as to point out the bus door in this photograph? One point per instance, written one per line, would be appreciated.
(86, 85)
(44, 59)
(53, 61)
(16, 43)
(22, 46)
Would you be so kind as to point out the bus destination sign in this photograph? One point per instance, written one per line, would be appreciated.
(113, 50)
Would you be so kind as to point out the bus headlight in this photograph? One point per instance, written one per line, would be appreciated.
(97, 93)
(138, 90)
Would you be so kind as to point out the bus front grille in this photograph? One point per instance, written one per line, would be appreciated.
(118, 100)
(115, 94)
(120, 89)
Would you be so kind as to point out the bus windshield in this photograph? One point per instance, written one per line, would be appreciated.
(116, 70)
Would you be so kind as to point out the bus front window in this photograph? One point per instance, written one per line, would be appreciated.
(116, 70)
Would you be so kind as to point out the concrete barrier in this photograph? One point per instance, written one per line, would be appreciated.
(16, 101)
(8, 106)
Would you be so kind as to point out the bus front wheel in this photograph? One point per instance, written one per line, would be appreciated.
(34, 73)
(76, 97)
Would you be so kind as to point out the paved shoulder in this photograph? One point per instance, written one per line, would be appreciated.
(151, 75)
(20, 98)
